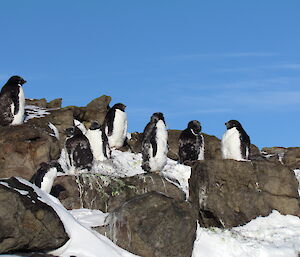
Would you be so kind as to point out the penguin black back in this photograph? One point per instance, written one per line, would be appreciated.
(191, 142)
(78, 149)
(110, 117)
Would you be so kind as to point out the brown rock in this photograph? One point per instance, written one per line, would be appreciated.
(105, 193)
(154, 225)
(229, 193)
(37, 102)
(26, 223)
(23, 148)
(54, 104)
(61, 119)
(292, 158)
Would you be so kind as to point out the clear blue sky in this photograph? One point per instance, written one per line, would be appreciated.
(205, 60)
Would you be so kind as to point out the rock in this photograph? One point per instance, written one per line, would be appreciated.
(135, 142)
(105, 193)
(61, 119)
(100, 103)
(94, 111)
(54, 104)
(274, 154)
(26, 223)
(292, 158)
(230, 193)
(37, 102)
(154, 225)
(42, 103)
(23, 148)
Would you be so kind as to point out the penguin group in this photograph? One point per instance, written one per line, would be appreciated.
(84, 147)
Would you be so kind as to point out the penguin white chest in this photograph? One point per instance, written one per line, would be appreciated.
(48, 180)
(201, 150)
(160, 159)
(95, 139)
(231, 145)
(119, 130)
(19, 117)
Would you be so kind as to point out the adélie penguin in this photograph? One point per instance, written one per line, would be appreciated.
(115, 125)
(45, 175)
(191, 143)
(98, 141)
(235, 142)
(12, 102)
(79, 155)
(155, 144)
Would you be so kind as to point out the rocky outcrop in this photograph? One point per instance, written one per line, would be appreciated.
(42, 103)
(94, 191)
(289, 156)
(26, 223)
(94, 111)
(292, 158)
(62, 118)
(23, 148)
(153, 225)
(229, 193)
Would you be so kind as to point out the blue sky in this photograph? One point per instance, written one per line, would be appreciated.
(205, 60)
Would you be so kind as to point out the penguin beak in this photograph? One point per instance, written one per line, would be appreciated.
(23, 81)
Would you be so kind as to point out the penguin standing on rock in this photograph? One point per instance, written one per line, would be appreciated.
(191, 143)
(12, 102)
(45, 175)
(98, 141)
(235, 142)
(78, 149)
(115, 125)
(155, 144)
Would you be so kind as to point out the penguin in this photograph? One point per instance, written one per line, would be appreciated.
(78, 149)
(12, 102)
(98, 141)
(155, 144)
(235, 142)
(115, 125)
(45, 175)
(191, 143)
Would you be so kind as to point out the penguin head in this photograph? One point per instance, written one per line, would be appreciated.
(233, 124)
(44, 166)
(120, 106)
(69, 131)
(16, 80)
(157, 116)
(195, 126)
(95, 125)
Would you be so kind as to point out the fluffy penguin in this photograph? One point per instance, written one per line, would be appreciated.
(12, 102)
(78, 149)
(155, 144)
(191, 143)
(98, 141)
(235, 142)
(115, 125)
(45, 175)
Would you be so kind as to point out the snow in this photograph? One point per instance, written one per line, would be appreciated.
(89, 218)
(273, 236)
(54, 129)
(126, 164)
(83, 241)
(33, 111)
(297, 174)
